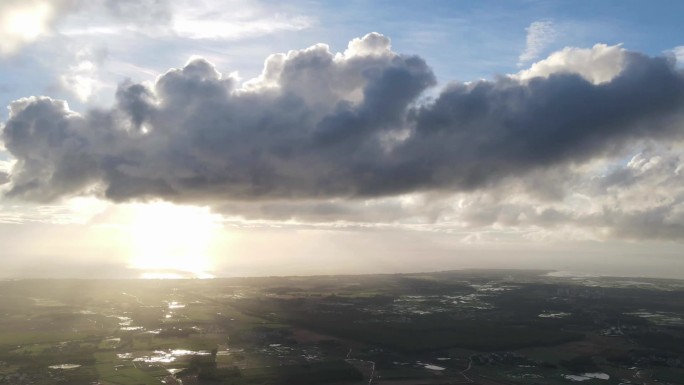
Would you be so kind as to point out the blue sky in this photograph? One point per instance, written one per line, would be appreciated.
(537, 133)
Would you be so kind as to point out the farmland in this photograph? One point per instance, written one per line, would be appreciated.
(469, 326)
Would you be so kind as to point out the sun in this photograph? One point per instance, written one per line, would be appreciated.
(172, 241)
(27, 22)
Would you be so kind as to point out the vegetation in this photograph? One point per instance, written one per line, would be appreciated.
(501, 327)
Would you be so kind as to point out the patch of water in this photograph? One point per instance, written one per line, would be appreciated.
(559, 314)
(586, 376)
(65, 366)
(163, 356)
(175, 305)
(659, 317)
(131, 328)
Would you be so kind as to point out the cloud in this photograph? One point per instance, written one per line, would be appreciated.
(82, 78)
(641, 199)
(208, 26)
(141, 12)
(539, 35)
(599, 64)
(25, 21)
(322, 136)
(678, 53)
(188, 19)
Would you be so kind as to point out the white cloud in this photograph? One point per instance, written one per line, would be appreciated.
(232, 20)
(598, 64)
(539, 35)
(26, 21)
(678, 52)
(216, 20)
(82, 78)
(225, 28)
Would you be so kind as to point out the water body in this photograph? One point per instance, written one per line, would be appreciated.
(660, 317)
(433, 367)
(175, 305)
(553, 315)
(161, 356)
(65, 366)
(586, 376)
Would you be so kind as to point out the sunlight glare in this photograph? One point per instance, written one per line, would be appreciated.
(172, 241)
(27, 23)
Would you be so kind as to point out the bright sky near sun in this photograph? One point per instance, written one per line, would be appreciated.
(177, 138)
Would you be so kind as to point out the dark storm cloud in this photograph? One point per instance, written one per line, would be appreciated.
(317, 126)
(474, 135)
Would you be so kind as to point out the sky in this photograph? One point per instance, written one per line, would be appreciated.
(178, 138)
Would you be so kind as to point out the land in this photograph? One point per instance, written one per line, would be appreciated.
(484, 327)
